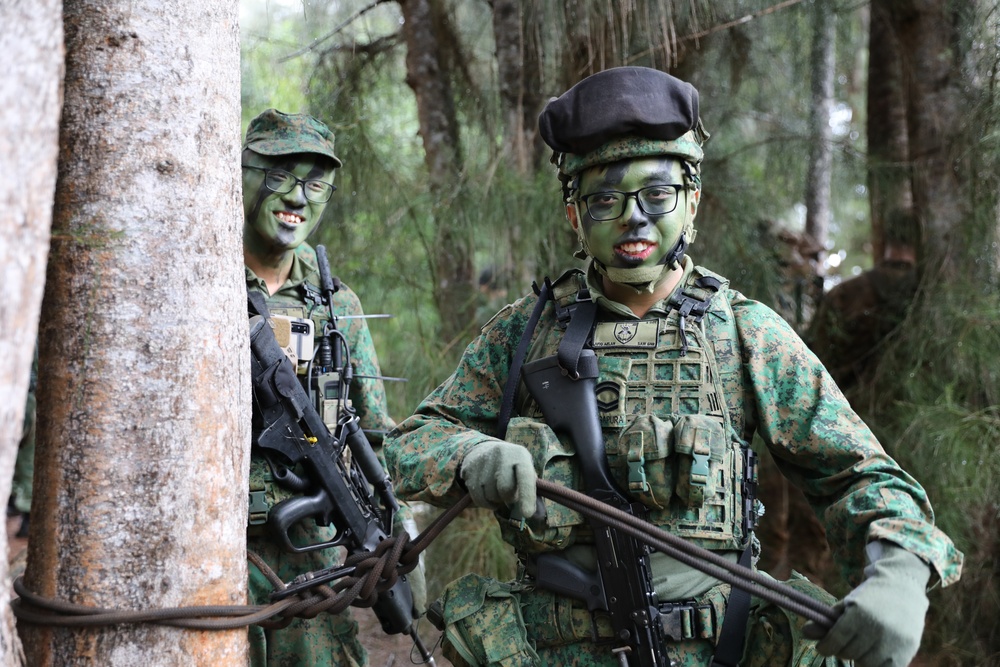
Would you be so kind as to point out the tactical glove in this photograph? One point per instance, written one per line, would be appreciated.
(500, 473)
(882, 620)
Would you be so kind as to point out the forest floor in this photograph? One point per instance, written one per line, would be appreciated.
(383, 650)
(394, 650)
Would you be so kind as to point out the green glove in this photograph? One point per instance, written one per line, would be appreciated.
(882, 620)
(500, 473)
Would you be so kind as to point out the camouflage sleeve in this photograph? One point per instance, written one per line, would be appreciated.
(859, 492)
(367, 391)
(425, 451)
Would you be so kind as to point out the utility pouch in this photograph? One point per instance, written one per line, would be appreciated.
(643, 463)
(774, 635)
(483, 624)
(700, 443)
(555, 462)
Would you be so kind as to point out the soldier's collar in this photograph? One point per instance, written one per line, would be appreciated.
(595, 284)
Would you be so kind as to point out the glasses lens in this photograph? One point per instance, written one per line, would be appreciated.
(279, 180)
(658, 199)
(605, 205)
(318, 191)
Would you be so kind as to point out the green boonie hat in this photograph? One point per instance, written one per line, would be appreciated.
(275, 133)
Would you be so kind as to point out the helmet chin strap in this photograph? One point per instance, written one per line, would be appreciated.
(643, 279)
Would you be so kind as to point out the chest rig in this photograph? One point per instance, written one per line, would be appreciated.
(668, 433)
(302, 306)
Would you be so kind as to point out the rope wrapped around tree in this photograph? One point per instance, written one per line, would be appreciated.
(363, 575)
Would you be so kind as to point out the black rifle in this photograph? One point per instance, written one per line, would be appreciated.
(622, 586)
(291, 434)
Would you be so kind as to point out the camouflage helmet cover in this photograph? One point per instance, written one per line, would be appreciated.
(275, 133)
(620, 113)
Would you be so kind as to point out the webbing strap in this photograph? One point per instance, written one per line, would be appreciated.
(729, 650)
(577, 334)
(514, 376)
(257, 304)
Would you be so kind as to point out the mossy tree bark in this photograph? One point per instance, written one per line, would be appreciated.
(143, 402)
(30, 104)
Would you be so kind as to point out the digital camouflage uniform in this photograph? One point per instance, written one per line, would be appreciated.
(327, 639)
(770, 383)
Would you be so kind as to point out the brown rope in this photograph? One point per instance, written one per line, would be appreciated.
(394, 556)
(399, 555)
(701, 559)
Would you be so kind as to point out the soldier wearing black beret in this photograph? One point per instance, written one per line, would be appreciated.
(688, 371)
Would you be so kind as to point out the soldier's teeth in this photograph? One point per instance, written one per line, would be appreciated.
(289, 218)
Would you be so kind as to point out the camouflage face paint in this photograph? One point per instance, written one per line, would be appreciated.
(634, 239)
(275, 222)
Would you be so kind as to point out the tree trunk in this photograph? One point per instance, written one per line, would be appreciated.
(515, 32)
(427, 75)
(29, 147)
(932, 70)
(144, 396)
(888, 178)
(817, 191)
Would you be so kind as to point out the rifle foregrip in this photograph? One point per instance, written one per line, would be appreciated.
(370, 466)
(394, 608)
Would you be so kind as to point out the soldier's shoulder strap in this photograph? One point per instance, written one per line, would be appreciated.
(695, 299)
(514, 373)
(256, 304)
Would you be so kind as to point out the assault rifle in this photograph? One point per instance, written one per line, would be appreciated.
(622, 586)
(291, 433)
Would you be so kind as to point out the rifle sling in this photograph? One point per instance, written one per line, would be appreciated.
(514, 375)
(729, 650)
(257, 304)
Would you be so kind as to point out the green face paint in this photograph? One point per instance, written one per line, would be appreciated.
(635, 239)
(275, 222)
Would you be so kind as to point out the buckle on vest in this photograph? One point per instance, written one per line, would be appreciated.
(258, 508)
(636, 467)
(699, 471)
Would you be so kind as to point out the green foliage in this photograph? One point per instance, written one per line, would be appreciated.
(471, 543)
(267, 34)
(942, 424)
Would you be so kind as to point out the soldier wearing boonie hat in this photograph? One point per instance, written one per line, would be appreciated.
(275, 133)
(689, 371)
(288, 165)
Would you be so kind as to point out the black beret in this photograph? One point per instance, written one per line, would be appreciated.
(617, 102)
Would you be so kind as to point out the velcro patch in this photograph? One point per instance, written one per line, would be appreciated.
(627, 333)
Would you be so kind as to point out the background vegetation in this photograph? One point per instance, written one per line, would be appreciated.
(413, 238)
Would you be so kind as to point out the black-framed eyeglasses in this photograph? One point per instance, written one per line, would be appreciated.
(652, 200)
(282, 182)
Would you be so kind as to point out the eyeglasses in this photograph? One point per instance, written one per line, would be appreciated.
(282, 182)
(652, 200)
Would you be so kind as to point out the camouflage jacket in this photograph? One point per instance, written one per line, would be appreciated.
(773, 385)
